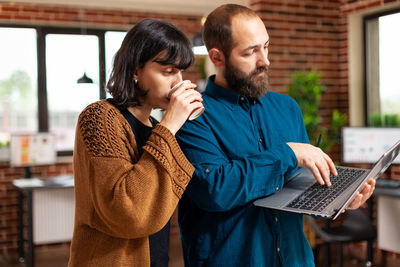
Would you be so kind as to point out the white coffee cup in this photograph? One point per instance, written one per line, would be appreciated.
(197, 112)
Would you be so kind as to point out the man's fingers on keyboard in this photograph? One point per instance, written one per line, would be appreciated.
(315, 171)
(324, 171)
(331, 165)
(327, 177)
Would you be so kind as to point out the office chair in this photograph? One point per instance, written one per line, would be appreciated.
(356, 227)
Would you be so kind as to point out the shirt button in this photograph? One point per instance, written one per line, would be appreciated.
(207, 170)
(278, 249)
(276, 219)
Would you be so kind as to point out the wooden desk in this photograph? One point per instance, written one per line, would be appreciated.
(26, 187)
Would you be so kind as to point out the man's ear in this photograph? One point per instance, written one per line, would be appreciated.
(217, 57)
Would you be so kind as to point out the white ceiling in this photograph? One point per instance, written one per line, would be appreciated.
(194, 7)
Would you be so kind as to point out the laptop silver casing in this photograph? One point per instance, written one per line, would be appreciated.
(303, 179)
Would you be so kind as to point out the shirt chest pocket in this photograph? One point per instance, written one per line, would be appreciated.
(282, 137)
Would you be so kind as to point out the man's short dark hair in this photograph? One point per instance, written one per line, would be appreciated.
(142, 43)
(217, 30)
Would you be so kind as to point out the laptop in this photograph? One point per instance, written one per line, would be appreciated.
(303, 194)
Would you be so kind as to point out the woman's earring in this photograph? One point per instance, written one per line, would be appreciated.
(135, 81)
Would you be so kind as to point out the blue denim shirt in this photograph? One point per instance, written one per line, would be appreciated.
(238, 148)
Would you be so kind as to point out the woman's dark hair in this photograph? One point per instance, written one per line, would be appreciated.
(142, 43)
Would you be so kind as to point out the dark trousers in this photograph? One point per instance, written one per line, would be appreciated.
(159, 245)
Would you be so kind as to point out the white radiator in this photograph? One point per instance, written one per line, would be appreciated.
(53, 215)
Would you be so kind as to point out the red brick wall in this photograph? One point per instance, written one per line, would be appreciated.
(304, 35)
(97, 18)
(50, 15)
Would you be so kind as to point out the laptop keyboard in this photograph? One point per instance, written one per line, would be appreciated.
(318, 197)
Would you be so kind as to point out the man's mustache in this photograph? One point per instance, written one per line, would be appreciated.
(259, 70)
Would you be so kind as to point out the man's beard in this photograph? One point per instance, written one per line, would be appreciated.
(247, 84)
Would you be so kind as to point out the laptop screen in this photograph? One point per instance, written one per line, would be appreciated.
(385, 161)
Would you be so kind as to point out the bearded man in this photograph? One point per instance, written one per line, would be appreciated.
(243, 147)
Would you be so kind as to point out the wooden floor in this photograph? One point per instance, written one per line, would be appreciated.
(57, 256)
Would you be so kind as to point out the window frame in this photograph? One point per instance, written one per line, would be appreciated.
(365, 20)
(41, 32)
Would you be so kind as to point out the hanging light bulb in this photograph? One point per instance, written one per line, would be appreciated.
(84, 79)
(82, 15)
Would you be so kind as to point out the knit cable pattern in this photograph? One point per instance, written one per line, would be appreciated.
(159, 149)
(99, 130)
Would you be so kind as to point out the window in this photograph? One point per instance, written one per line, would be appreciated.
(382, 52)
(18, 82)
(113, 42)
(39, 70)
(68, 57)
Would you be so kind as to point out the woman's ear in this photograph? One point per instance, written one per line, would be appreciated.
(135, 76)
(217, 57)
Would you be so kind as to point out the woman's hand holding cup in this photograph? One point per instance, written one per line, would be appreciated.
(184, 101)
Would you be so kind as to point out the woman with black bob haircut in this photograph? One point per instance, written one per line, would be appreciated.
(129, 169)
(143, 43)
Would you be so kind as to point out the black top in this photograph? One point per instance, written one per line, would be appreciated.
(142, 132)
(159, 242)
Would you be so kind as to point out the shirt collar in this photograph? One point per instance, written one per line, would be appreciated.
(226, 96)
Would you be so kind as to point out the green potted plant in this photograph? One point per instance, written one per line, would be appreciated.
(375, 120)
(384, 120)
(307, 90)
(391, 120)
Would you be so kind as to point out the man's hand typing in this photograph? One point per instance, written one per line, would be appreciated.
(319, 163)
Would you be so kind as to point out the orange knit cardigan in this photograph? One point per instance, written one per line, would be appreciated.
(122, 199)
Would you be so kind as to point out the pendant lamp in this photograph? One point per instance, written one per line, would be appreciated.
(84, 79)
